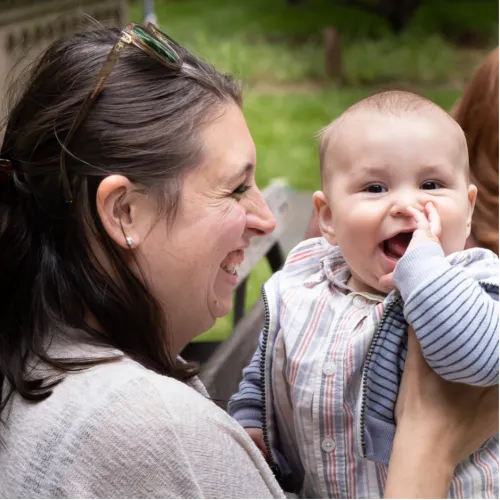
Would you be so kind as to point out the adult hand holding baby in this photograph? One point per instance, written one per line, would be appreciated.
(439, 423)
(257, 436)
(428, 230)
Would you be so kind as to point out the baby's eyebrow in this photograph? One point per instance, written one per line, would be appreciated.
(429, 169)
(371, 170)
(379, 170)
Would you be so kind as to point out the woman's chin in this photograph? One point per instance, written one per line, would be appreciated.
(221, 306)
(223, 294)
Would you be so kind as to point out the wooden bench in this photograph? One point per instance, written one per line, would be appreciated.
(221, 374)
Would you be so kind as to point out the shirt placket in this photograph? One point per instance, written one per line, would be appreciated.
(338, 446)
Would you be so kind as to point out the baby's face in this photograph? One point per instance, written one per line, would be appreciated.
(380, 165)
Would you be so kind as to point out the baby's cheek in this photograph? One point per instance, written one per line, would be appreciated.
(453, 234)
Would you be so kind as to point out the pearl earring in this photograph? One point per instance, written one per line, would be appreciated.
(129, 241)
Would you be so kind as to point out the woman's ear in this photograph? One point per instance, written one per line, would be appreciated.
(117, 206)
(324, 217)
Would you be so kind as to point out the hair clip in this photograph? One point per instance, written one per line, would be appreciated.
(8, 191)
(6, 164)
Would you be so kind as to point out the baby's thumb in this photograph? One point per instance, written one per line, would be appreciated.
(387, 281)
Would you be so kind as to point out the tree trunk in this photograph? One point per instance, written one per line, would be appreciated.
(333, 65)
(399, 12)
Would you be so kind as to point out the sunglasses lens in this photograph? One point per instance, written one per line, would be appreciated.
(156, 31)
(156, 45)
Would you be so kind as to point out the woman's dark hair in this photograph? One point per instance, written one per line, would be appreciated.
(145, 125)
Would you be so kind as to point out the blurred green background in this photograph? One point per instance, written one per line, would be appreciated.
(276, 49)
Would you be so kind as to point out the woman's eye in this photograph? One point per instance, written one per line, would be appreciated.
(240, 190)
(429, 185)
(375, 188)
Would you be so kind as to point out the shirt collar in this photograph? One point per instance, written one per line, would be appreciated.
(334, 268)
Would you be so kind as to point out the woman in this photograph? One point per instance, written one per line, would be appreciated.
(477, 114)
(124, 214)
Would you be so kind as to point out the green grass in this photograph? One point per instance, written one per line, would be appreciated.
(230, 18)
(284, 127)
(267, 40)
(277, 52)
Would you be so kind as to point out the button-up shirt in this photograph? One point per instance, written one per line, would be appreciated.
(319, 334)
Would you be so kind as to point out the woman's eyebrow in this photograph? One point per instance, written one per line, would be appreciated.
(240, 172)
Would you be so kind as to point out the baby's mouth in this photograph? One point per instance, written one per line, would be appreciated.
(396, 246)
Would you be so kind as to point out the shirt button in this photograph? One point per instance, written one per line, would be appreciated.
(328, 445)
(359, 302)
(329, 368)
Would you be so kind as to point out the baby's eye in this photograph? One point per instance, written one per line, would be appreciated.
(429, 185)
(375, 188)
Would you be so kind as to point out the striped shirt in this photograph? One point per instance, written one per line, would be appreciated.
(452, 304)
(313, 355)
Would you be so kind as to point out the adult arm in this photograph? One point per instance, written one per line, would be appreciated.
(439, 423)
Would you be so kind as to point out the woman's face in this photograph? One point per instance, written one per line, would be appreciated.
(191, 265)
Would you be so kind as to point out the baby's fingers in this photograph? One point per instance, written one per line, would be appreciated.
(420, 218)
(387, 281)
(434, 219)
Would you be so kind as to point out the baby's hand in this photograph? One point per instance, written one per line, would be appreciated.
(257, 437)
(428, 229)
(428, 226)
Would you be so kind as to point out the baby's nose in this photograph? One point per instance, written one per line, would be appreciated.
(398, 208)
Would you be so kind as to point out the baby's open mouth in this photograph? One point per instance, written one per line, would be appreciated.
(396, 246)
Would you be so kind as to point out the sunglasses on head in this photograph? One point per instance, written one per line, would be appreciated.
(149, 39)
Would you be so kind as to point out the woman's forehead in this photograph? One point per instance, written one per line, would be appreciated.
(227, 145)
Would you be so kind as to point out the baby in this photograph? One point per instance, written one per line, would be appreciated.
(395, 211)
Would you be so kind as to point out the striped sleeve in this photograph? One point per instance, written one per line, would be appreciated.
(454, 317)
(246, 405)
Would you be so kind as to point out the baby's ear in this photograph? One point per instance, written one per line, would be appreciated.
(324, 217)
(472, 195)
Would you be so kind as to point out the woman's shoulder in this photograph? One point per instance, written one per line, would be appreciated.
(116, 383)
(182, 434)
(129, 386)
(120, 400)
(143, 407)
(137, 433)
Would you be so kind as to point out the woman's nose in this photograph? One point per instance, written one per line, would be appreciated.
(260, 219)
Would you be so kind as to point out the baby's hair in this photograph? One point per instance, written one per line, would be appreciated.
(398, 103)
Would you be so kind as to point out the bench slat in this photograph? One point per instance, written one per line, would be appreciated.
(222, 372)
(277, 196)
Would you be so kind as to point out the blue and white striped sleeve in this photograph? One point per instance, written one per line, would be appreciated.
(454, 317)
(246, 405)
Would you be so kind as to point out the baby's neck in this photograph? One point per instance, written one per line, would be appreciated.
(355, 284)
